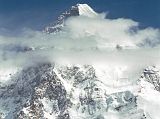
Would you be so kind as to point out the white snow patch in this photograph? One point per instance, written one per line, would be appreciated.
(85, 10)
(48, 108)
(149, 100)
(67, 85)
(6, 74)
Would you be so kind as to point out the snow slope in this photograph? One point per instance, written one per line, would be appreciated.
(85, 10)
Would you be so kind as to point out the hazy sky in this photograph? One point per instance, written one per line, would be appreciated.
(35, 14)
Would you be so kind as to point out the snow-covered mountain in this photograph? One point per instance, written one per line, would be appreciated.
(63, 92)
(77, 10)
(73, 91)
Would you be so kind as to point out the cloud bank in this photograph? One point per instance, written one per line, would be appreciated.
(85, 40)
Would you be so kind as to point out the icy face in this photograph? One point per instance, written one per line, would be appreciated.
(149, 96)
(86, 10)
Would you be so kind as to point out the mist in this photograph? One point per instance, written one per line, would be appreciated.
(83, 40)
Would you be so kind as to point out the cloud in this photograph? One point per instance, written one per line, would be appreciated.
(85, 40)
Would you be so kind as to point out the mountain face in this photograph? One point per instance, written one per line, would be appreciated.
(55, 91)
(77, 10)
(68, 92)
(65, 92)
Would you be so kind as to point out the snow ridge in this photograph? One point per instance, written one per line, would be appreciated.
(86, 10)
(77, 10)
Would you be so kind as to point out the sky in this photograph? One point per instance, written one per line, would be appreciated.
(16, 15)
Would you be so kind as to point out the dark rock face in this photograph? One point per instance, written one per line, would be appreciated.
(32, 84)
(59, 23)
